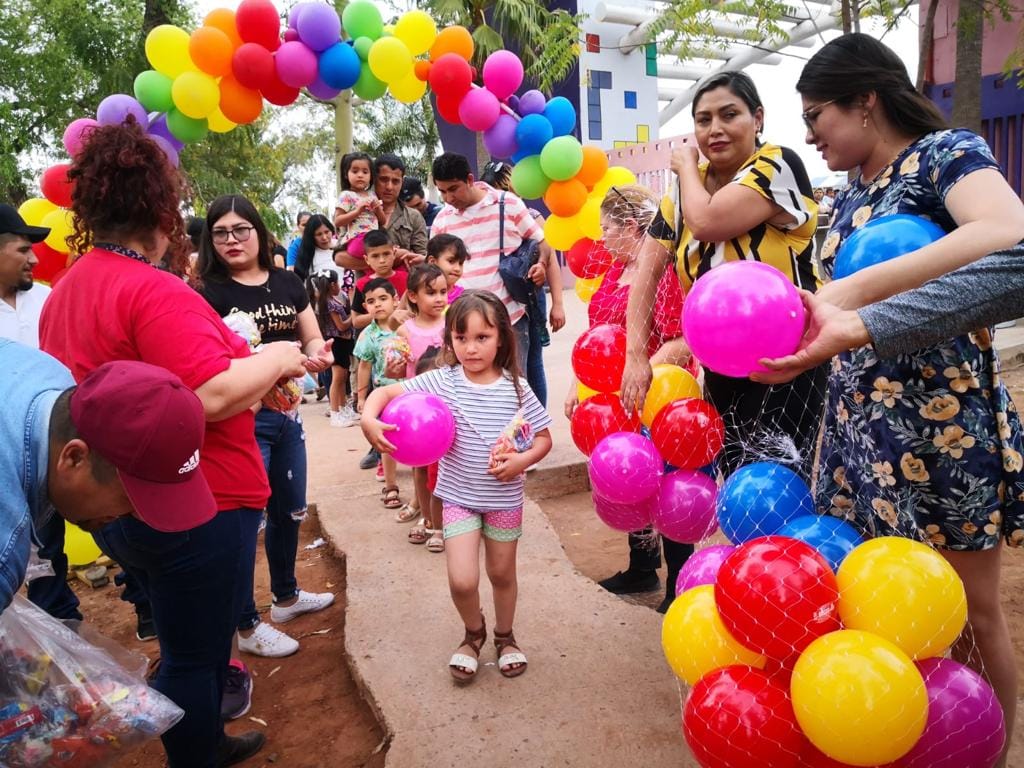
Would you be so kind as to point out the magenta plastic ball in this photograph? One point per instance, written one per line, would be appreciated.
(702, 567)
(76, 134)
(965, 726)
(500, 138)
(625, 468)
(503, 73)
(624, 517)
(479, 109)
(685, 511)
(296, 64)
(425, 428)
(740, 312)
(115, 109)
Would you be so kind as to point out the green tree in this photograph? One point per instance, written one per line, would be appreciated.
(408, 130)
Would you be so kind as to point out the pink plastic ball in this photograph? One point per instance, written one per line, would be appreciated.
(624, 517)
(625, 468)
(702, 567)
(685, 511)
(479, 109)
(425, 428)
(503, 73)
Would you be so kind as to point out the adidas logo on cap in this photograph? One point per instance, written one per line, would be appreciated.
(192, 463)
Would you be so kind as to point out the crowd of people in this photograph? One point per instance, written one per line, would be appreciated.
(390, 293)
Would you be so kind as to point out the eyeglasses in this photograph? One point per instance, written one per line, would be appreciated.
(241, 233)
(810, 116)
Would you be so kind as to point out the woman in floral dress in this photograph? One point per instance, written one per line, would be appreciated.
(927, 444)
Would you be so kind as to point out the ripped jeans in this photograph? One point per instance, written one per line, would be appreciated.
(282, 442)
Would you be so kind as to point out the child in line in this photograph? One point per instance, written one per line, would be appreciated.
(449, 253)
(334, 313)
(359, 210)
(373, 350)
(380, 258)
(500, 430)
(427, 296)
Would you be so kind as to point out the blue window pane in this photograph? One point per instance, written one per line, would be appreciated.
(595, 129)
(630, 99)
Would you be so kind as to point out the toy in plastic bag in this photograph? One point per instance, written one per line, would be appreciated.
(65, 703)
(397, 354)
(517, 436)
(286, 394)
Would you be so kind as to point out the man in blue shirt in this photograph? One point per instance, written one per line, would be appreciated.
(412, 195)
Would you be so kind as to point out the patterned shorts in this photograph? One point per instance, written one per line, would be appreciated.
(497, 524)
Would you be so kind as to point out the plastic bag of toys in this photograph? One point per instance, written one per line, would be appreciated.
(286, 394)
(65, 703)
(517, 436)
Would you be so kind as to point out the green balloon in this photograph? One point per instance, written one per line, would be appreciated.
(153, 91)
(368, 87)
(363, 46)
(362, 19)
(561, 158)
(528, 179)
(186, 129)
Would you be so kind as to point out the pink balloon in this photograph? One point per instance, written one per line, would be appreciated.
(702, 567)
(296, 64)
(76, 134)
(503, 73)
(624, 517)
(479, 109)
(740, 312)
(625, 468)
(685, 511)
(425, 431)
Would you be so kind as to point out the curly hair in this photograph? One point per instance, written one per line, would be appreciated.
(124, 187)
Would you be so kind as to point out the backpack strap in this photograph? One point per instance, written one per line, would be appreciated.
(501, 225)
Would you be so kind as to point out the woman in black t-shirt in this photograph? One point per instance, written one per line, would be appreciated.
(238, 275)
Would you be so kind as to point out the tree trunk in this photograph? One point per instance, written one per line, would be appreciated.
(847, 14)
(924, 62)
(342, 131)
(483, 157)
(967, 91)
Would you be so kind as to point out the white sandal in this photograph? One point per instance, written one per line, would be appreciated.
(462, 666)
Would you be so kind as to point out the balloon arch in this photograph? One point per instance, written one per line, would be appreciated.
(219, 76)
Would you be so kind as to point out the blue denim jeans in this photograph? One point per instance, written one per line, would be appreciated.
(522, 331)
(535, 355)
(52, 593)
(191, 579)
(282, 443)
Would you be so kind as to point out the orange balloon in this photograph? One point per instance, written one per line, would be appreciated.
(422, 70)
(565, 198)
(237, 103)
(595, 165)
(211, 50)
(455, 40)
(224, 20)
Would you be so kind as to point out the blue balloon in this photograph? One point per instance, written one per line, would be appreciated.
(519, 156)
(833, 538)
(532, 133)
(339, 66)
(562, 116)
(760, 498)
(882, 239)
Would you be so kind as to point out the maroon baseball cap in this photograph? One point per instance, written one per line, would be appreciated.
(150, 426)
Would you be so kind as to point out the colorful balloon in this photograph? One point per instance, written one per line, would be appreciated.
(115, 109)
(595, 166)
(833, 538)
(239, 104)
(685, 511)
(56, 186)
(77, 133)
(168, 149)
(689, 433)
(195, 94)
(258, 23)
(586, 287)
(500, 138)
(417, 30)
(339, 66)
(479, 109)
(224, 20)
(532, 103)
(252, 65)
(35, 210)
(702, 567)
(425, 428)
(882, 239)
(368, 86)
(529, 181)
(218, 123)
(561, 158)
(589, 217)
(362, 19)
(625, 468)
(455, 40)
(450, 76)
(533, 133)
(50, 263)
(759, 498)
(211, 49)
(61, 224)
(167, 50)
(408, 90)
(318, 26)
(389, 60)
(668, 384)
(627, 518)
(296, 64)
(565, 198)
(158, 127)
(153, 91)
(598, 417)
(588, 258)
(503, 74)
(599, 356)
(186, 129)
(560, 232)
(321, 90)
(561, 114)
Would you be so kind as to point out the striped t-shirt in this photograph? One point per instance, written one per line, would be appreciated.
(478, 227)
(481, 414)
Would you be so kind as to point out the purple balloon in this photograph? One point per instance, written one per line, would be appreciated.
(318, 26)
(115, 109)
(296, 64)
(77, 133)
(500, 138)
(322, 90)
(513, 103)
(965, 727)
(295, 12)
(702, 567)
(532, 103)
(625, 468)
(740, 312)
(158, 127)
(685, 511)
(425, 431)
(624, 517)
(165, 145)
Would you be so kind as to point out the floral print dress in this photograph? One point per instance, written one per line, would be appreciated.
(926, 445)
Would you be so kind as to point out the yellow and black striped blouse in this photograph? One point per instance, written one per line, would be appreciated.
(778, 174)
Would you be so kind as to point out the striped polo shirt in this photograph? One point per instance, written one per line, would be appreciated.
(477, 226)
(482, 412)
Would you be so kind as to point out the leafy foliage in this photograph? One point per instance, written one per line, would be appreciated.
(407, 130)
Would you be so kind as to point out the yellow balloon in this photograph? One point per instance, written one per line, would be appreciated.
(389, 60)
(195, 94)
(583, 392)
(217, 123)
(904, 591)
(670, 382)
(588, 219)
(61, 224)
(409, 89)
(561, 232)
(696, 641)
(859, 698)
(35, 209)
(167, 50)
(79, 546)
(417, 30)
(586, 287)
(616, 176)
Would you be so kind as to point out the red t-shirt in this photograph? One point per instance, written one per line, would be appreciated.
(608, 305)
(111, 307)
(398, 279)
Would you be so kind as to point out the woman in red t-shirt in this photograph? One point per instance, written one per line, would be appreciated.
(626, 213)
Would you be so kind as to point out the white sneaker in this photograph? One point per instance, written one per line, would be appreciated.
(308, 602)
(269, 642)
(338, 419)
(349, 416)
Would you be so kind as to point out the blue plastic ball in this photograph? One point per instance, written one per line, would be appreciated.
(833, 538)
(760, 498)
(882, 239)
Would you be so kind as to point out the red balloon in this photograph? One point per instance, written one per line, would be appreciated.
(278, 93)
(588, 258)
(257, 22)
(51, 262)
(55, 185)
(450, 77)
(252, 65)
(597, 417)
(688, 433)
(739, 717)
(776, 595)
(599, 356)
(448, 108)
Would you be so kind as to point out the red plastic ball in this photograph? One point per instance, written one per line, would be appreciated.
(688, 433)
(776, 595)
(253, 65)
(597, 417)
(588, 258)
(55, 185)
(257, 22)
(599, 356)
(739, 717)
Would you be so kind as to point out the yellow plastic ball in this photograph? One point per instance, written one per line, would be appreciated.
(669, 383)
(79, 546)
(586, 287)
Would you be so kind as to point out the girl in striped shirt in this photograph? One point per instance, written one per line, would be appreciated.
(480, 479)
